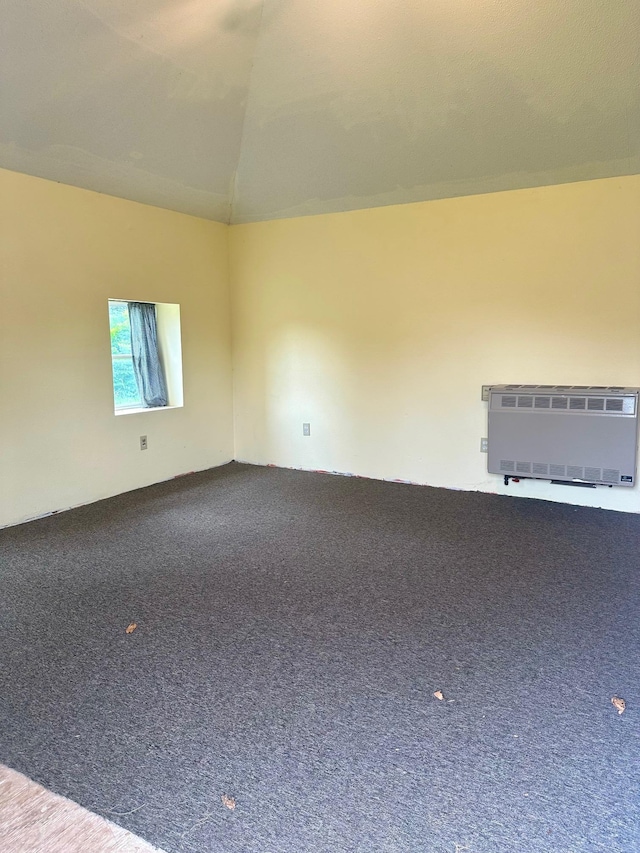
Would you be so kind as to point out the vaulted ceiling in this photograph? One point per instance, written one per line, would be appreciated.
(240, 110)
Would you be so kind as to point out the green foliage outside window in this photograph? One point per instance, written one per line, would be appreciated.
(125, 388)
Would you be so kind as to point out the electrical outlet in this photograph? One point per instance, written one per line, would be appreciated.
(485, 393)
(306, 429)
(143, 442)
(484, 445)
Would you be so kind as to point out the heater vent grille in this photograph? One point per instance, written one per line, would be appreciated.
(615, 388)
(623, 405)
(546, 470)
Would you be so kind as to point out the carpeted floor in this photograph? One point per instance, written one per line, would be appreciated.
(292, 629)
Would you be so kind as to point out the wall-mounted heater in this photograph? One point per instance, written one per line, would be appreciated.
(580, 434)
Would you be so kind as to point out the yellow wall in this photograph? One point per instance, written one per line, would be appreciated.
(380, 326)
(63, 253)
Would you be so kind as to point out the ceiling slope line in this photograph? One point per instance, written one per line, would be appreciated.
(234, 179)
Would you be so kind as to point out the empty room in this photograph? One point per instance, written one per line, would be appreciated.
(319, 374)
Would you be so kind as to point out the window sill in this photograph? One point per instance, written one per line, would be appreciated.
(141, 409)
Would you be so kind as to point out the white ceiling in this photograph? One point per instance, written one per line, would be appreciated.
(240, 110)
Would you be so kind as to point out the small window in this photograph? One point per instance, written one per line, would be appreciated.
(146, 355)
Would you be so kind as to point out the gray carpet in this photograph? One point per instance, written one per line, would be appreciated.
(292, 629)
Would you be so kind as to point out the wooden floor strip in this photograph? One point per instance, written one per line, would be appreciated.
(34, 820)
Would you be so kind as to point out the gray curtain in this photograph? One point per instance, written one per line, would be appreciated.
(146, 360)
